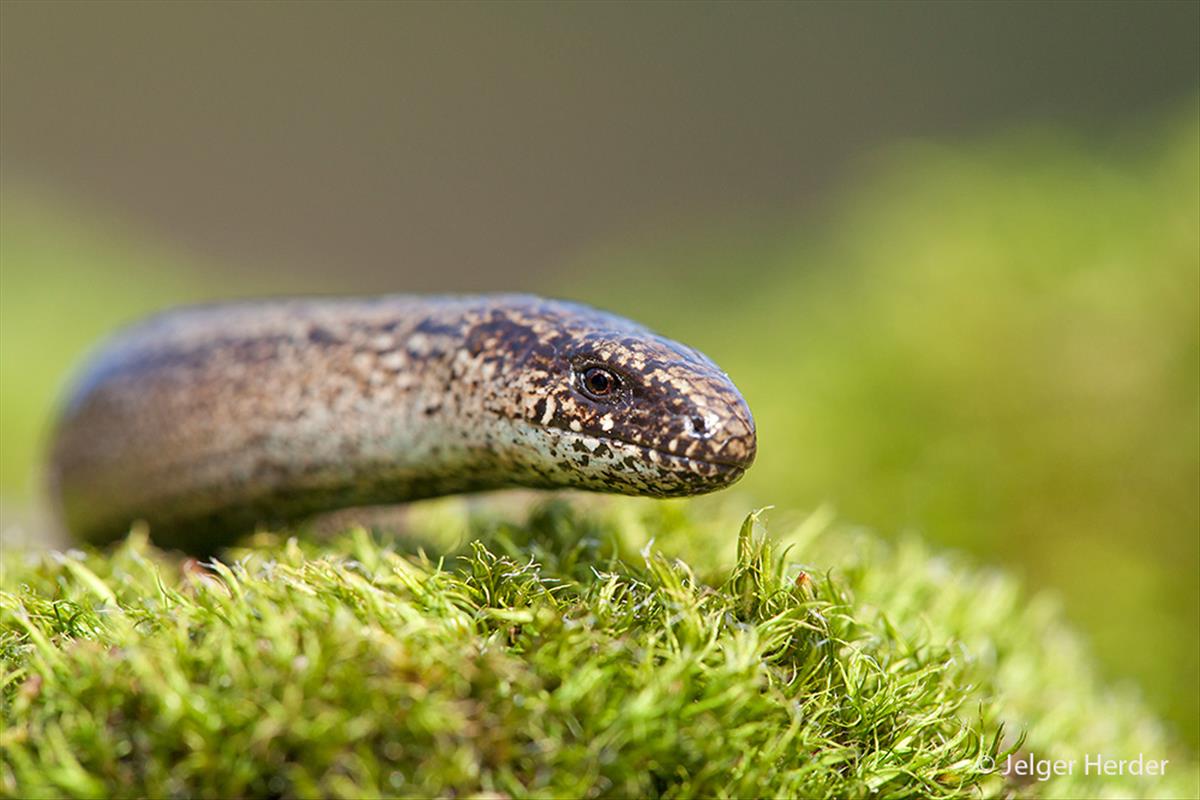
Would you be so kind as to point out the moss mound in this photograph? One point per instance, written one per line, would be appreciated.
(614, 649)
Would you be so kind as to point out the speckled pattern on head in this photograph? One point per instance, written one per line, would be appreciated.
(207, 421)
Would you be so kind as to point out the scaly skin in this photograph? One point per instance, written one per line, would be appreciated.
(207, 421)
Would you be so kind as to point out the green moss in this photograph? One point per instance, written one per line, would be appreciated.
(608, 648)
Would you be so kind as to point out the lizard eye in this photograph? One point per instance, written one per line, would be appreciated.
(598, 382)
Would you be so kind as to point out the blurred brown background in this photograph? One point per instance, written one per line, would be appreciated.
(481, 146)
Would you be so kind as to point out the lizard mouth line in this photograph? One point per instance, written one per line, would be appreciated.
(724, 465)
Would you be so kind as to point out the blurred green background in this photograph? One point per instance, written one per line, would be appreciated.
(951, 253)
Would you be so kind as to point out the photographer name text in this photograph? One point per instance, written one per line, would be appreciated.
(1043, 769)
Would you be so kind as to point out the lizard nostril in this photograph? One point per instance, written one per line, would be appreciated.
(698, 424)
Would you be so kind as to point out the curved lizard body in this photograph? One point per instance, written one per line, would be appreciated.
(207, 421)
